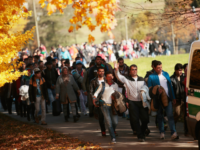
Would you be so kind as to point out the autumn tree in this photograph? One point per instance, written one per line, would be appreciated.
(102, 10)
(11, 42)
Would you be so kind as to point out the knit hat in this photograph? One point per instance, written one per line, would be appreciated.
(79, 62)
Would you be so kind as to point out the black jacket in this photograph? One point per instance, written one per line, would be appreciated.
(149, 73)
(33, 89)
(94, 84)
(51, 77)
(178, 87)
(56, 54)
(151, 48)
(93, 72)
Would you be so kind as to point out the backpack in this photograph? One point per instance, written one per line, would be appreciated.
(119, 103)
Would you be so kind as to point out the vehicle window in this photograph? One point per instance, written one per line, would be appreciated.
(195, 70)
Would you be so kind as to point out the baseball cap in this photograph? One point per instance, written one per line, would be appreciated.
(36, 70)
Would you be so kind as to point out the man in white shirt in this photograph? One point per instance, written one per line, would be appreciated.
(106, 102)
(137, 112)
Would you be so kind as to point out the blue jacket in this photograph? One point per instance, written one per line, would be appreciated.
(153, 80)
(65, 55)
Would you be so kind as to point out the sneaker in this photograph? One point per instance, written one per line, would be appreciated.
(175, 136)
(162, 136)
(113, 141)
(141, 140)
(103, 133)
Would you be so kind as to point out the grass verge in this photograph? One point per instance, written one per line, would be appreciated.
(168, 63)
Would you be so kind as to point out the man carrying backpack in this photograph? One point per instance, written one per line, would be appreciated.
(38, 94)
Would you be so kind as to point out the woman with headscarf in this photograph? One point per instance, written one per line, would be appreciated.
(65, 89)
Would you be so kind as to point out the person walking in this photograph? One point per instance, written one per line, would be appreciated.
(137, 112)
(178, 85)
(65, 89)
(106, 108)
(78, 75)
(38, 94)
(160, 77)
(94, 84)
(50, 75)
(93, 70)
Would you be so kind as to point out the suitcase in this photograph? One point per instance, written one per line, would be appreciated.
(56, 108)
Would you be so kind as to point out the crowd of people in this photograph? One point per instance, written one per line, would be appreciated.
(100, 89)
(109, 50)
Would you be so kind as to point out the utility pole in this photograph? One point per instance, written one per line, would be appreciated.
(173, 37)
(197, 31)
(36, 24)
(126, 28)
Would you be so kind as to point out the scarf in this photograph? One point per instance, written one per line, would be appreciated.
(65, 77)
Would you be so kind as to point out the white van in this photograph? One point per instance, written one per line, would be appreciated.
(193, 85)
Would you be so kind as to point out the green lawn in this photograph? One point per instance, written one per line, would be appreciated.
(144, 64)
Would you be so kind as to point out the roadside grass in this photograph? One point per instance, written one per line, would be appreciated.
(168, 63)
(20, 135)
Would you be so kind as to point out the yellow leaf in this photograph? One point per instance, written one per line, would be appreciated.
(71, 28)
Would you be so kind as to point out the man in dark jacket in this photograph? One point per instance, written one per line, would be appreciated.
(94, 84)
(150, 71)
(93, 70)
(55, 53)
(177, 82)
(38, 94)
(50, 75)
(151, 48)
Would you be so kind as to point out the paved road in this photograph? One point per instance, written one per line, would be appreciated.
(87, 129)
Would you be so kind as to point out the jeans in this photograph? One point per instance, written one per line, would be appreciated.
(179, 109)
(111, 120)
(137, 53)
(83, 101)
(153, 54)
(130, 56)
(40, 102)
(160, 116)
(52, 95)
(138, 113)
(144, 52)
